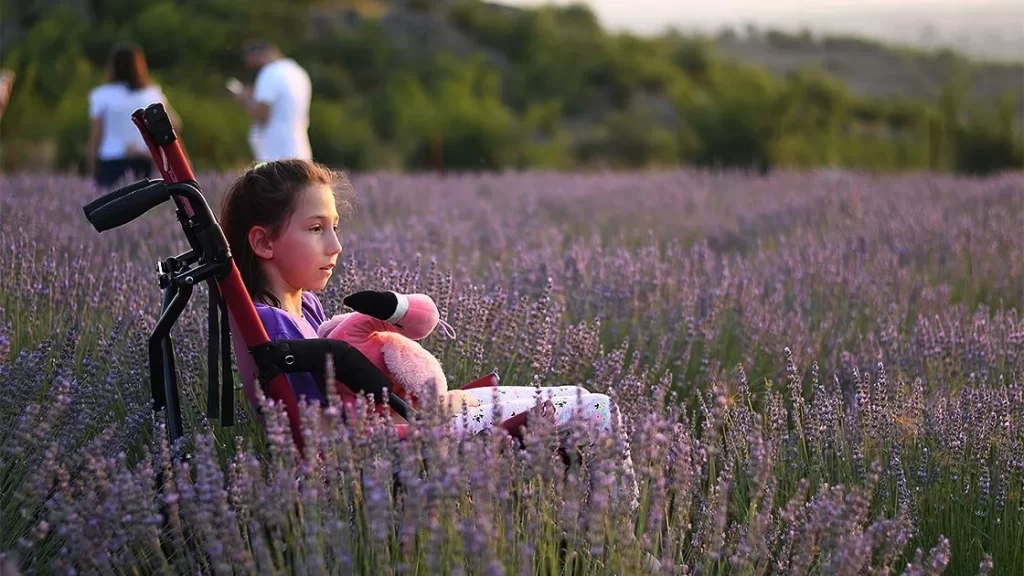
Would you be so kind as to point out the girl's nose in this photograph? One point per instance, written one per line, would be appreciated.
(335, 245)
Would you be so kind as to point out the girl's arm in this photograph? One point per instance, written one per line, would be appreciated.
(95, 134)
(96, 107)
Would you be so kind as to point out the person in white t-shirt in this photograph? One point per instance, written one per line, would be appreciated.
(116, 148)
(278, 103)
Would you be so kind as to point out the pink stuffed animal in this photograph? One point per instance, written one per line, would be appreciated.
(385, 327)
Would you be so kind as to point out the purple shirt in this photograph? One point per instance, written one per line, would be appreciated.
(282, 325)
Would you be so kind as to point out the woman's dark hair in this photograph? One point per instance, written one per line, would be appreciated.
(127, 63)
(266, 195)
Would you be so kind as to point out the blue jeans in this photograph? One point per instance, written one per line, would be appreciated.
(109, 172)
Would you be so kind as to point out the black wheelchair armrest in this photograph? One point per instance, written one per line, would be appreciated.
(351, 367)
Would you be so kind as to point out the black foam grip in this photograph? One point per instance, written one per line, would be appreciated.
(115, 195)
(128, 207)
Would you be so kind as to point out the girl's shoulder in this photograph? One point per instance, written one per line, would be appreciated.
(106, 87)
(103, 97)
(282, 325)
(278, 323)
(113, 89)
(106, 90)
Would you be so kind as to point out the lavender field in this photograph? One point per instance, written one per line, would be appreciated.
(819, 373)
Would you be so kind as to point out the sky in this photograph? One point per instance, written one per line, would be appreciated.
(654, 15)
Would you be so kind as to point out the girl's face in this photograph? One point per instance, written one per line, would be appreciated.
(303, 255)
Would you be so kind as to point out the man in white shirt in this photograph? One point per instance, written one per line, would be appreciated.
(278, 104)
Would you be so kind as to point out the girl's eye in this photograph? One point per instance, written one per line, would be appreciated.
(316, 228)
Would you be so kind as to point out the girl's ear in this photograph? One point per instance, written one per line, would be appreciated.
(259, 241)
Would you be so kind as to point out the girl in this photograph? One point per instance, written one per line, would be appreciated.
(281, 221)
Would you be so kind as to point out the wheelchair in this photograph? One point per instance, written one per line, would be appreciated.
(232, 318)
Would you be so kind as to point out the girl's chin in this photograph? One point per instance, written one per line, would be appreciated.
(321, 282)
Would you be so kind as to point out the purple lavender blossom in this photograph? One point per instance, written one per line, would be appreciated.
(813, 374)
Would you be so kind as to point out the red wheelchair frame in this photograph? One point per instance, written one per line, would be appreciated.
(209, 260)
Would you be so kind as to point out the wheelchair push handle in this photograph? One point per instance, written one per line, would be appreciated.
(133, 201)
(116, 194)
(127, 205)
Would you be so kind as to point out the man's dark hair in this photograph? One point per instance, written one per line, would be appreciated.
(257, 45)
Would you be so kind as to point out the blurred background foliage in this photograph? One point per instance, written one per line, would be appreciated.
(468, 85)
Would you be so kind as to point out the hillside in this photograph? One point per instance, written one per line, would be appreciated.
(867, 66)
(981, 29)
(871, 68)
(464, 84)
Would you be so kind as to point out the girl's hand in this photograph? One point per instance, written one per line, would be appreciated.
(456, 399)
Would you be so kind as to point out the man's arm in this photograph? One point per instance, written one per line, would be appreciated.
(257, 99)
(258, 111)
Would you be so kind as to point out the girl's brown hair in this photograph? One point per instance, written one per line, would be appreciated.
(127, 63)
(266, 195)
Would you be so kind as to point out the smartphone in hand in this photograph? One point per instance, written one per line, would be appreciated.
(234, 86)
(6, 87)
(6, 80)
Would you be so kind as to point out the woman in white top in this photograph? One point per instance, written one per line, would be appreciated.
(116, 148)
